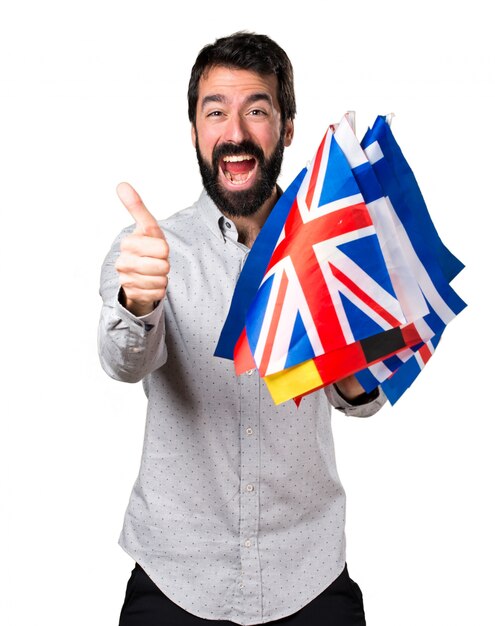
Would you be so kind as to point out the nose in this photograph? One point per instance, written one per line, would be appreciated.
(236, 129)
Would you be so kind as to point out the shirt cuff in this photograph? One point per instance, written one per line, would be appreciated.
(369, 405)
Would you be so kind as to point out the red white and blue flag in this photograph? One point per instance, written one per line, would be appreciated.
(326, 285)
(334, 284)
(432, 264)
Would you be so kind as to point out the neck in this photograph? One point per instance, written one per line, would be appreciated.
(249, 227)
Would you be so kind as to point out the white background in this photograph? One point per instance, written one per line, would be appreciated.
(93, 93)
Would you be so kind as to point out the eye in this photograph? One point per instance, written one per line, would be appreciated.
(214, 114)
(257, 112)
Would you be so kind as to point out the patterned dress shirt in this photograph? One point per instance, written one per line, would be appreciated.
(238, 511)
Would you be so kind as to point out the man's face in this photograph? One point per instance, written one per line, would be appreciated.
(239, 138)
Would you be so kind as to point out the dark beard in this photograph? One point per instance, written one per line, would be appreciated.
(246, 202)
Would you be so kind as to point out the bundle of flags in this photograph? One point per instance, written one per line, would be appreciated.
(347, 276)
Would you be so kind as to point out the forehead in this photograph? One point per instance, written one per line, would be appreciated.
(236, 84)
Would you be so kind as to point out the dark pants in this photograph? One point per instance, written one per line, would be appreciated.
(341, 604)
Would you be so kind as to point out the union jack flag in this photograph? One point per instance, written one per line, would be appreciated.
(326, 285)
(330, 287)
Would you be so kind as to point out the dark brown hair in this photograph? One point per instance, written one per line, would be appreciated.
(246, 51)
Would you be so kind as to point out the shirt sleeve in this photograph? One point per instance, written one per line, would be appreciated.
(129, 347)
(367, 409)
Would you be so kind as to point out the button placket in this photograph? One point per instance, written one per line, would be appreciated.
(249, 501)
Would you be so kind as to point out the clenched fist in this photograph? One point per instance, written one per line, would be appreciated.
(142, 265)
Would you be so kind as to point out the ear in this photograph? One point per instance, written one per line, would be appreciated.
(288, 133)
(193, 135)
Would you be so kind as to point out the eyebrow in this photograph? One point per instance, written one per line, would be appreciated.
(254, 97)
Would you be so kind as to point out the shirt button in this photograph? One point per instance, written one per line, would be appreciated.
(247, 543)
(249, 487)
(249, 431)
(250, 372)
(228, 225)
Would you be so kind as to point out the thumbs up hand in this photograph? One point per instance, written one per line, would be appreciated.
(142, 265)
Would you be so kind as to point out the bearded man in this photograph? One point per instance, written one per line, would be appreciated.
(237, 514)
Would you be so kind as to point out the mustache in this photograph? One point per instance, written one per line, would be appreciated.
(234, 149)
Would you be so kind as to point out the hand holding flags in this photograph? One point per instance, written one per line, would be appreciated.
(347, 276)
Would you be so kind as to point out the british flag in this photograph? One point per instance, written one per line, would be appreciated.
(327, 285)
(335, 284)
(326, 293)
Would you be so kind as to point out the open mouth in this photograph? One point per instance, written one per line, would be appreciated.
(238, 169)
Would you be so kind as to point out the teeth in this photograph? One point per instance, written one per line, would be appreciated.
(237, 158)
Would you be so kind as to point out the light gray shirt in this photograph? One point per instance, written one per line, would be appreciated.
(238, 511)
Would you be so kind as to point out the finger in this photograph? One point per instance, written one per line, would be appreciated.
(140, 245)
(143, 284)
(144, 266)
(145, 221)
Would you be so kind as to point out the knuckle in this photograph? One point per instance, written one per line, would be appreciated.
(123, 264)
(120, 264)
(126, 243)
(163, 249)
(126, 282)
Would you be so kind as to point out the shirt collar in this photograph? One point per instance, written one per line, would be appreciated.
(216, 221)
(211, 215)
